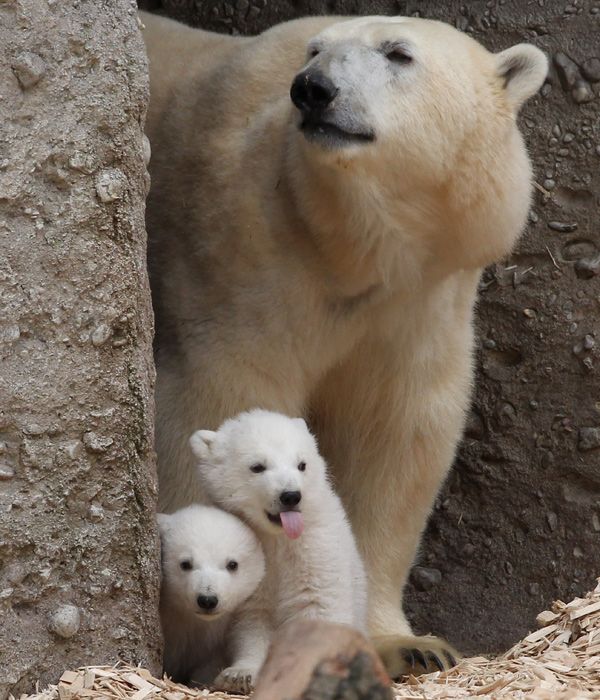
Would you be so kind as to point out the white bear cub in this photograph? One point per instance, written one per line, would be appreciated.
(266, 468)
(212, 563)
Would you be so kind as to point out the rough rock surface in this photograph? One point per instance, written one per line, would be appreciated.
(518, 523)
(78, 546)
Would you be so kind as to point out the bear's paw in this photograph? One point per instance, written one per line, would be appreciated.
(236, 679)
(410, 655)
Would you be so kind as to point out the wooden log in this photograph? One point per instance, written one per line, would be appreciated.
(315, 660)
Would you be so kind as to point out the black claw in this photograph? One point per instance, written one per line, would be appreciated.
(434, 658)
(450, 658)
(408, 656)
(419, 657)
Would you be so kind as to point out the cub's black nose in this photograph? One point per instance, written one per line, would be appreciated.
(207, 602)
(312, 91)
(290, 498)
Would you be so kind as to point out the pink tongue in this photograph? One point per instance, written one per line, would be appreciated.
(293, 524)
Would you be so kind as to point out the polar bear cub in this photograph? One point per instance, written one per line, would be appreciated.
(266, 468)
(212, 563)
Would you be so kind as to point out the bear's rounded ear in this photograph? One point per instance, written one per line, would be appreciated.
(523, 69)
(201, 442)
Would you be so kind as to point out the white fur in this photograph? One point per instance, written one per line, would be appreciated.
(199, 645)
(320, 575)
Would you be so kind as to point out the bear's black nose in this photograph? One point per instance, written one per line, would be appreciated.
(290, 498)
(312, 91)
(207, 602)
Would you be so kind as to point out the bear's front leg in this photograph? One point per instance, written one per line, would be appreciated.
(249, 642)
(388, 423)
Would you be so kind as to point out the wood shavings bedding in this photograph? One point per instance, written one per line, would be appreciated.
(559, 661)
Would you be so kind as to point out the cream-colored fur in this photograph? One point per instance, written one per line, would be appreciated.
(332, 282)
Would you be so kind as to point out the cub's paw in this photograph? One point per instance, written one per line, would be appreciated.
(236, 680)
(403, 656)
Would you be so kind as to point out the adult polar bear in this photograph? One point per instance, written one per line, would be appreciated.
(321, 258)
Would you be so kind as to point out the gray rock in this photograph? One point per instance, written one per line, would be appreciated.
(110, 185)
(96, 443)
(567, 69)
(552, 520)
(588, 342)
(586, 268)
(29, 69)
(424, 578)
(6, 472)
(101, 334)
(65, 621)
(96, 512)
(589, 439)
(562, 226)
(582, 92)
(591, 69)
(146, 149)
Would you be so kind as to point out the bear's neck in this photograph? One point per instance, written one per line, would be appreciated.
(368, 236)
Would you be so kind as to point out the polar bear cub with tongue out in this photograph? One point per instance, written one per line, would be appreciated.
(266, 468)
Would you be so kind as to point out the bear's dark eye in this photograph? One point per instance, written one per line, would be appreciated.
(186, 565)
(302, 466)
(313, 52)
(257, 468)
(232, 565)
(398, 54)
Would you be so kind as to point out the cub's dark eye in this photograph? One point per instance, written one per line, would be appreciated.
(302, 467)
(399, 55)
(313, 52)
(232, 565)
(257, 468)
(186, 565)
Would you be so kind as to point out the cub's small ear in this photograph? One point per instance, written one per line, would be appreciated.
(201, 442)
(523, 69)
